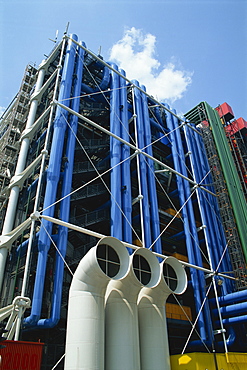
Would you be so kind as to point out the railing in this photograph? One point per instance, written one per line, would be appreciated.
(87, 166)
(90, 218)
(89, 191)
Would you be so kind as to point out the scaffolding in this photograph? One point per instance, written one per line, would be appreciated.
(239, 153)
(11, 126)
(226, 213)
(200, 117)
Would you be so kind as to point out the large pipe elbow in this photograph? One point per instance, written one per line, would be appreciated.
(107, 260)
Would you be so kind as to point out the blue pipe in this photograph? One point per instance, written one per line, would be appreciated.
(231, 339)
(211, 209)
(157, 115)
(216, 242)
(234, 320)
(235, 309)
(169, 156)
(186, 186)
(197, 277)
(53, 174)
(164, 140)
(178, 236)
(156, 125)
(106, 205)
(102, 86)
(198, 165)
(34, 184)
(143, 166)
(216, 219)
(95, 97)
(105, 79)
(21, 249)
(233, 297)
(174, 193)
(221, 287)
(159, 120)
(193, 228)
(23, 246)
(152, 192)
(219, 345)
(65, 203)
(216, 239)
(125, 167)
(187, 190)
(115, 157)
(87, 89)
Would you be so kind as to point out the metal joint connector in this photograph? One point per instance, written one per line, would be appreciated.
(35, 215)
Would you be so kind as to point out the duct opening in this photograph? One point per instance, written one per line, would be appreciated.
(141, 269)
(108, 260)
(112, 257)
(174, 275)
(170, 276)
(85, 337)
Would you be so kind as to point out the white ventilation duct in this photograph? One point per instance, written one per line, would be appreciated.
(109, 259)
(122, 350)
(154, 347)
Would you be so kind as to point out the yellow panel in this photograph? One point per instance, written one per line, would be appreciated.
(206, 361)
(174, 311)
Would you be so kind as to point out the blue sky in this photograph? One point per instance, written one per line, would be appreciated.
(200, 46)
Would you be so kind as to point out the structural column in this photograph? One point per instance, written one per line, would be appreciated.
(14, 192)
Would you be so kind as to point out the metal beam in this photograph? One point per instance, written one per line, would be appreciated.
(128, 245)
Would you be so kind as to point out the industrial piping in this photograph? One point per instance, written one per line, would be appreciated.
(154, 347)
(25, 141)
(232, 298)
(233, 305)
(121, 320)
(143, 166)
(14, 192)
(65, 203)
(215, 238)
(232, 310)
(84, 350)
(154, 209)
(213, 231)
(103, 327)
(102, 86)
(115, 157)
(197, 277)
(193, 231)
(53, 175)
(125, 167)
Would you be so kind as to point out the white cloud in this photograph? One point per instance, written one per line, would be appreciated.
(135, 53)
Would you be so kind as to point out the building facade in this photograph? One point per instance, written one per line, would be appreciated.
(83, 144)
